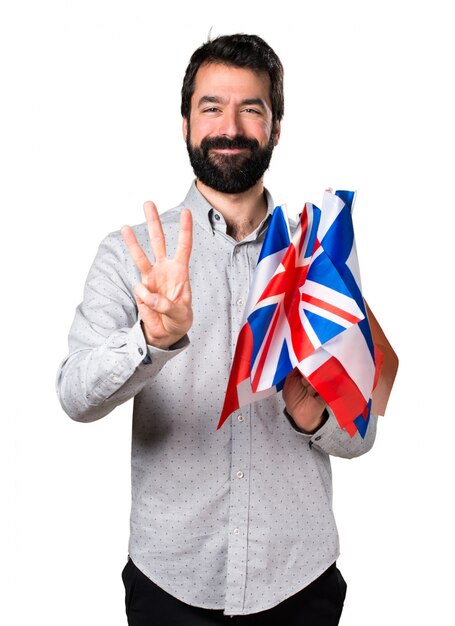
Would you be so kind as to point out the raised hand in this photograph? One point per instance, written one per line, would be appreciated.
(303, 403)
(163, 296)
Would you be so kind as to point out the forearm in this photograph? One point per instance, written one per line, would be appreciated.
(91, 382)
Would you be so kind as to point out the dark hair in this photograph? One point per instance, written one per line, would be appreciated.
(248, 51)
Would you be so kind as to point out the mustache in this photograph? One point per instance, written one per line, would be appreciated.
(237, 142)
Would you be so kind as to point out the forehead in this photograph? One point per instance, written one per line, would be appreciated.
(217, 79)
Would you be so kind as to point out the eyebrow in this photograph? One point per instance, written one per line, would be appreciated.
(217, 100)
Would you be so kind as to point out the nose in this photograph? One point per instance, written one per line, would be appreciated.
(230, 123)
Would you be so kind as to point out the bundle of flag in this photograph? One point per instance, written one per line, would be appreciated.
(305, 310)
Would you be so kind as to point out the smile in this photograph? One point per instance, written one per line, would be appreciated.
(229, 150)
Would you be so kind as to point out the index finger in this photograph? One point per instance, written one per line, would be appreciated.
(185, 239)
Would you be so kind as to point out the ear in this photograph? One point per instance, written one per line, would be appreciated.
(277, 133)
(184, 128)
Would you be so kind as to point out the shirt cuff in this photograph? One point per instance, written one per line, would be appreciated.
(153, 354)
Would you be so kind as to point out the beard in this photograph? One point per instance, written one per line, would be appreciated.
(230, 173)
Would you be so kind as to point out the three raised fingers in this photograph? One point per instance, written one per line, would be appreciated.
(157, 240)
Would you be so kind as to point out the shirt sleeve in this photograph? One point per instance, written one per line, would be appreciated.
(333, 440)
(109, 361)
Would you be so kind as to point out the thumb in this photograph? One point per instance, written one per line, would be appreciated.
(155, 301)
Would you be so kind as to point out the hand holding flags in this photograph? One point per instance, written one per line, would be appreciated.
(306, 310)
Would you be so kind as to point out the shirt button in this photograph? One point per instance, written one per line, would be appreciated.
(240, 302)
(317, 438)
(217, 217)
(239, 474)
(236, 531)
(240, 418)
(141, 351)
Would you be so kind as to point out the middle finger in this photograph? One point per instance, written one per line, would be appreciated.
(155, 229)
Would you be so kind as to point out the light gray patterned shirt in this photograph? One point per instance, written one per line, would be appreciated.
(237, 519)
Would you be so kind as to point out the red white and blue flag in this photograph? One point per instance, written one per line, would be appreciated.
(305, 309)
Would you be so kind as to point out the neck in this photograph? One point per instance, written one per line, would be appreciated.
(243, 212)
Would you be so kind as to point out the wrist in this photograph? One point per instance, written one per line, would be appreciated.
(309, 428)
(162, 343)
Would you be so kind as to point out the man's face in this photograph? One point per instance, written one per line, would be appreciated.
(230, 138)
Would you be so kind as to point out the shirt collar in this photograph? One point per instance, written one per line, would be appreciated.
(210, 219)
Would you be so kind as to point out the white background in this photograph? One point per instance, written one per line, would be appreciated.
(90, 128)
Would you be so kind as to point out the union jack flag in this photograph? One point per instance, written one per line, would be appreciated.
(306, 310)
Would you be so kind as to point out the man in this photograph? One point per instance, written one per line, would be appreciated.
(236, 522)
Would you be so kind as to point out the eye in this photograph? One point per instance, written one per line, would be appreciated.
(252, 111)
(210, 110)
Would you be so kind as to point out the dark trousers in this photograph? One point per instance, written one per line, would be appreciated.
(319, 604)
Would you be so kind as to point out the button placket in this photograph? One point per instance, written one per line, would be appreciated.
(238, 519)
(242, 285)
(240, 454)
